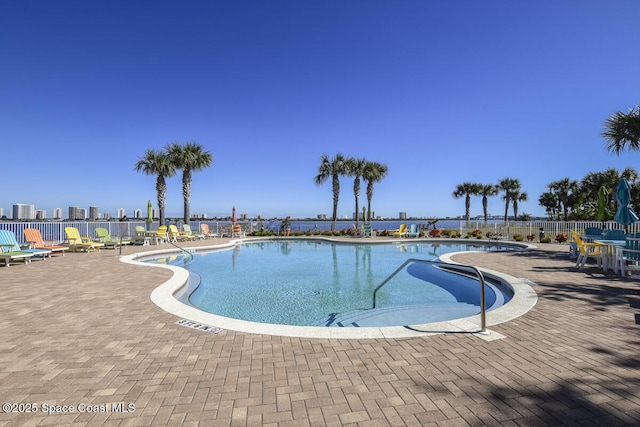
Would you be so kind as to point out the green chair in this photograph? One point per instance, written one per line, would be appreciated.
(104, 237)
(186, 230)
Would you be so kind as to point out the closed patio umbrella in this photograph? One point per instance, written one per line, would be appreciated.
(233, 215)
(149, 214)
(625, 215)
(602, 213)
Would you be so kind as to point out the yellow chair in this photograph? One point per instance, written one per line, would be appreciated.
(401, 232)
(79, 243)
(163, 234)
(588, 250)
(175, 234)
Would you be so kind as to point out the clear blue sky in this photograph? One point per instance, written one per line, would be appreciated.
(442, 92)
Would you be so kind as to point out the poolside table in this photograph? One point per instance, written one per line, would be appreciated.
(609, 260)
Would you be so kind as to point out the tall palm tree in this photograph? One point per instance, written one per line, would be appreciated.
(518, 197)
(157, 163)
(332, 168)
(549, 201)
(466, 189)
(563, 189)
(509, 186)
(373, 172)
(486, 191)
(189, 157)
(355, 168)
(623, 131)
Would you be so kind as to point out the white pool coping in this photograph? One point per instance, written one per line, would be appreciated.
(164, 296)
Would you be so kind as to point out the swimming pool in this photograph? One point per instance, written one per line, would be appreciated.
(321, 283)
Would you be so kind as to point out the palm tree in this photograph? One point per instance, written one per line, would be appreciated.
(373, 172)
(486, 191)
(466, 189)
(623, 131)
(355, 168)
(518, 197)
(563, 189)
(549, 201)
(333, 168)
(157, 163)
(189, 157)
(509, 186)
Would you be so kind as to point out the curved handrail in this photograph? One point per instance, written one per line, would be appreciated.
(468, 268)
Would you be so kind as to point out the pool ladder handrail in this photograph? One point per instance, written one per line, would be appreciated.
(467, 268)
(171, 242)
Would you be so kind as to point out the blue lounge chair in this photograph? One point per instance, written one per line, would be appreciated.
(413, 231)
(10, 243)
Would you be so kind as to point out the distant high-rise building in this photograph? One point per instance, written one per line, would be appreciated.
(322, 216)
(403, 215)
(93, 212)
(1, 212)
(75, 213)
(83, 213)
(41, 214)
(21, 211)
(57, 213)
(121, 212)
(107, 216)
(137, 214)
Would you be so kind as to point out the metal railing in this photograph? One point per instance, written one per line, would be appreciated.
(454, 267)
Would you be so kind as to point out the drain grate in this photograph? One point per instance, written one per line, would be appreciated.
(199, 326)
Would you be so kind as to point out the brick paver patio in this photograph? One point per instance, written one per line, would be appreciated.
(81, 330)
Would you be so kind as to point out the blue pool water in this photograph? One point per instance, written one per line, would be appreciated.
(318, 283)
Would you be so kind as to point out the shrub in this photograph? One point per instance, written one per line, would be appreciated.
(435, 232)
(530, 237)
(476, 233)
(518, 237)
(561, 238)
(545, 240)
(454, 234)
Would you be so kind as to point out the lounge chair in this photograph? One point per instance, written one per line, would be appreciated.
(206, 231)
(401, 232)
(413, 231)
(105, 237)
(176, 235)
(34, 237)
(10, 243)
(77, 243)
(8, 256)
(186, 230)
(587, 250)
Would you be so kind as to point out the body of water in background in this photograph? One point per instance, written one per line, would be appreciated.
(376, 225)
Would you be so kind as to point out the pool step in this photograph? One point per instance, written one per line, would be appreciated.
(400, 315)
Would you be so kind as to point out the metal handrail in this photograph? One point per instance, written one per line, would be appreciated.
(468, 268)
(172, 243)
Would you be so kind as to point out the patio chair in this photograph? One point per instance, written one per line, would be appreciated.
(176, 235)
(187, 231)
(236, 231)
(204, 228)
(615, 235)
(8, 256)
(593, 232)
(77, 243)
(109, 242)
(413, 231)
(587, 250)
(367, 230)
(630, 253)
(34, 237)
(401, 232)
(10, 243)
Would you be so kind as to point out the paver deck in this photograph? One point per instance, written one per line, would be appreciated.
(81, 330)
